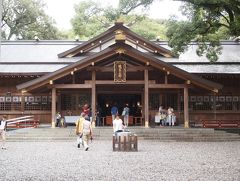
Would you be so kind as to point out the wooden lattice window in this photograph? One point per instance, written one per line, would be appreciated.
(74, 101)
(154, 101)
(206, 102)
(37, 102)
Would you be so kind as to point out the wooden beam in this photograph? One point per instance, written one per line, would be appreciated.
(168, 86)
(110, 69)
(72, 86)
(111, 82)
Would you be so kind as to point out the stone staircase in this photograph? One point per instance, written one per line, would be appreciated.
(166, 134)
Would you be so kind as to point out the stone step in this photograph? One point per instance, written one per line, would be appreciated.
(105, 133)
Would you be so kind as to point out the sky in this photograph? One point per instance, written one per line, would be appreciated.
(62, 10)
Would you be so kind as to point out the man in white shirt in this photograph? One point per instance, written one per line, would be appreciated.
(3, 126)
(117, 125)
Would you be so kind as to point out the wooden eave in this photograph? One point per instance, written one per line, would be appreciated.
(66, 70)
(119, 48)
(173, 70)
(110, 34)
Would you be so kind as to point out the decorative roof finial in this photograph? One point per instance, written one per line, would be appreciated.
(119, 35)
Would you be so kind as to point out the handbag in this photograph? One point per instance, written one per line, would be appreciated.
(123, 113)
(162, 116)
(79, 140)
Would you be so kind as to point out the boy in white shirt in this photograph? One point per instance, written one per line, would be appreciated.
(117, 125)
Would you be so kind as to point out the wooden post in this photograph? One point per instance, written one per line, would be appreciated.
(146, 111)
(214, 107)
(22, 103)
(73, 79)
(58, 101)
(166, 79)
(93, 98)
(53, 106)
(179, 101)
(186, 111)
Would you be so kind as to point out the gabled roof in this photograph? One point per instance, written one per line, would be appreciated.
(119, 48)
(109, 35)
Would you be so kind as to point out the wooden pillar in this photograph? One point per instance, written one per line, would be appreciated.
(166, 79)
(186, 111)
(53, 106)
(93, 104)
(58, 101)
(22, 103)
(73, 78)
(179, 102)
(146, 103)
(214, 106)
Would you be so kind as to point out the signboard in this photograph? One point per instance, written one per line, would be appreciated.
(120, 71)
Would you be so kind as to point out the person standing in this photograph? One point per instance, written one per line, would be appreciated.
(58, 119)
(114, 111)
(162, 114)
(87, 132)
(171, 118)
(3, 127)
(125, 115)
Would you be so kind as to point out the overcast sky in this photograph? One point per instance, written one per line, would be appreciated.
(62, 10)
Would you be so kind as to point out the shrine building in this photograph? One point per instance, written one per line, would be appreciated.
(42, 77)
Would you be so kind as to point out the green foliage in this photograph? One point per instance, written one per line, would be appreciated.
(26, 19)
(126, 6)
(208, 22)
(151, 29)
(91, 19)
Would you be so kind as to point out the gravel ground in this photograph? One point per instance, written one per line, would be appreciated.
(154, 161)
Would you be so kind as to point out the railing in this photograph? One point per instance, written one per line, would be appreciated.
(23, 122)
(221, 123)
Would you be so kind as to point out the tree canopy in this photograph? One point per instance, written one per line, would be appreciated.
(208, 21)
(26, 19)
(91, 19)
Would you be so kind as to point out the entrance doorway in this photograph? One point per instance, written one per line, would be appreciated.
(106, 101)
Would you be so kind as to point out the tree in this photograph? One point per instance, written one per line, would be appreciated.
(26, 19)
(208, 22)
(91, 19)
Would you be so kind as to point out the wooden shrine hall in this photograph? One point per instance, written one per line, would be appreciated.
(116, 67)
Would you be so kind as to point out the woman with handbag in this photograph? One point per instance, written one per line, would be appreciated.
(87, 132)
(79, 127)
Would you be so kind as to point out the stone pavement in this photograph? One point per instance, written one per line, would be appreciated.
(50, 161)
